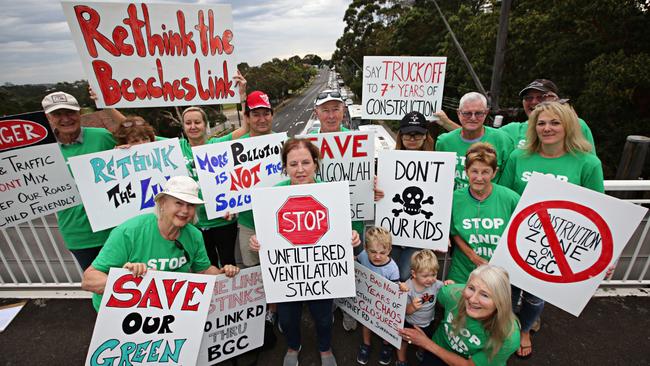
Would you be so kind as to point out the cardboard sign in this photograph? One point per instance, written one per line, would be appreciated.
(418, 190)
(152, 319)
(394, 86)
(118, 184)
(349, 156)
(154, 55)
(228, 170)
(562, 238)
(379, 304)
(34, 178)
(304, 233)
(235, 320)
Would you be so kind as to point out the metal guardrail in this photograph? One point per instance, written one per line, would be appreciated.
(36, 263)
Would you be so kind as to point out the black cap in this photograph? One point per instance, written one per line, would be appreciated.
(413, 122)
(543, 85)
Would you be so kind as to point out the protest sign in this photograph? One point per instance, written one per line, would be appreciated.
(34, 178)
(235, 320)
(379, 305)
(394, 86)
(349, 156)
(562, 238)
(154, 55)
(418, 190)
(228, 170)
(304, 232)
(118, 184)
(151, 319)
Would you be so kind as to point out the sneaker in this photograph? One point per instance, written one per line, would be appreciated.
(271, 317)
(349, 323)
(386, 354)
(291, 358)
(401, 363)
(419, 354)
(364, 354)
(327, 359)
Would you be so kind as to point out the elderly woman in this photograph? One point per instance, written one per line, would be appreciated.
(479, 213)
(556, 147)
(300, 161)
(478, 327)
(162, 240)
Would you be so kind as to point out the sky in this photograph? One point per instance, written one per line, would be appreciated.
(37, 46)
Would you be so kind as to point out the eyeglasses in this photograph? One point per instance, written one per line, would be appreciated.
(548, 97)
(414, 136)
(476, 114)
(324, 95)
(130, 123)
(181, 247)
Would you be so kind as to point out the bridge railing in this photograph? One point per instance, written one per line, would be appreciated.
(36, 263)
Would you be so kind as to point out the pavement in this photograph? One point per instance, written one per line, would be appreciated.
(610, 331)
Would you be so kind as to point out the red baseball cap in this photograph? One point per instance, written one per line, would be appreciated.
(257, 99)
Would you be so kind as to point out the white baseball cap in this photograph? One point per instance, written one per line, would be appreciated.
(182, 187)
(59, 100)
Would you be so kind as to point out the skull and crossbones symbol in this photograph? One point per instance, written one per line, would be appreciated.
(412, 200)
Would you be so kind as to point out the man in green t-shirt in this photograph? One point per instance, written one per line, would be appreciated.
(540, 90)
(472, 111)
(62, 112)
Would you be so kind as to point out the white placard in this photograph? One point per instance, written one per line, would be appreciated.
(349, 156)
(34, 182)
(153, 55)
(394, 86)
(304, 233)
(152, 319)
(228, 170)
(379, 304)
(562, 238)
(235, 322)
(418, 190)
(118, 184)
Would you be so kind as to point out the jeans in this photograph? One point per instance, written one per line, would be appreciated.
(402, 256)
(530, 310)
(85, 257)
(290, 317)
(431, 360)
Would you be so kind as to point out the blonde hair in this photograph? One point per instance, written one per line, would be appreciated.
(574, 140)
(378, 235)
(424, 260)
(483, 152)
(501, 324)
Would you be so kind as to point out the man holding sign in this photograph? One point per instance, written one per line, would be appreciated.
(62, 111)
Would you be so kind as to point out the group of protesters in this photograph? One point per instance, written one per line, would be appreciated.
(479, 325)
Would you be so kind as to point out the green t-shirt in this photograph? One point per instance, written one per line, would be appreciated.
(203, 222)
(453, 142)
(138, 240)
(471, 340)
(343, 129)
(517, 133)
(480, 225)
(73, 222)
(581, 168)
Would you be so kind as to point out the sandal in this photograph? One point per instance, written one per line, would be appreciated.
(521, 350)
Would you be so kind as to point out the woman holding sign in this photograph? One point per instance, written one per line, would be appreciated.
(219, 234)
(479, 213)
(162, 240)
(555, 147)
(300, 161)
(478, 326)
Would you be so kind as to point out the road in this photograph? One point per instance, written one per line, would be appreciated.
(294, 115)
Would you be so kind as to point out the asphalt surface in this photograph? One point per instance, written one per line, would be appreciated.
(293, 116)
(610, 331)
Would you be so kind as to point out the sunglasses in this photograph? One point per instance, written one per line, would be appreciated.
(129, 124)
(324, 95)
(548, 97)
(181, 247)
(414, 136)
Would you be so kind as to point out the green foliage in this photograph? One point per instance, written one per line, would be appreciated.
(597, 52)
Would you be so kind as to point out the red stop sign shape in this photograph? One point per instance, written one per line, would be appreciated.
(302, 220)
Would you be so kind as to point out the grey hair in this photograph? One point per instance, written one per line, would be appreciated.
(471, 97)
(157, 209)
